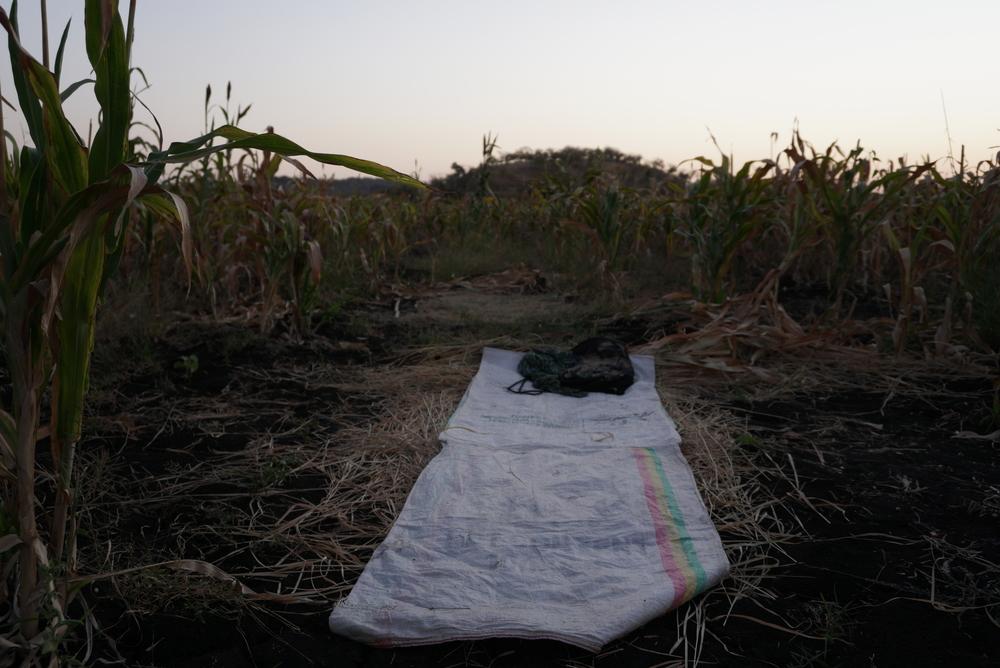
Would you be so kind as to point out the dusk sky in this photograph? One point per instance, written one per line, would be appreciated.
(400, 82)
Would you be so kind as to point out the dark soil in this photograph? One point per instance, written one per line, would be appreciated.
(902, 522)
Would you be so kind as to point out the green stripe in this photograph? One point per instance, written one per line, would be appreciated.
(686, 543)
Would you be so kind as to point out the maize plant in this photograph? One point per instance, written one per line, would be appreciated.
(850, 198)
(722, 210)
(968, 213)
(64, 209)
(292, 261)
(603, 212)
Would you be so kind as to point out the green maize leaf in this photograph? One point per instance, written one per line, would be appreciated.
(115, 248)
(59, 141)
(158, 130)
(242, 139)
(109, 57)
(701, 159)
(7, 255)
(30, 106)
(891, 237)
(99, 17)
(75, 333)
(173, 206)
(187, 247)
(80, 288)
(30, 268)
(72, 88)
(34, 201)
(11, 154)
(70, 223)
(137, 183)
(115, 240)
(61, 50)
(152, 130)
(240, 113)
(15, 28)
(51, 132)
(141, 73)
(66, 155)
(272, 169)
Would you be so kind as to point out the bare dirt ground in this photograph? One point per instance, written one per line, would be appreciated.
(260, 473)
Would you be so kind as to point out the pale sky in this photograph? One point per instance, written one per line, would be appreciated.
(399, 82)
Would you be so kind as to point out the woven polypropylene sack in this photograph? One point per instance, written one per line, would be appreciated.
(574, 519)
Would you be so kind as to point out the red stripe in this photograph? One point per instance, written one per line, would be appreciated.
(660, 529)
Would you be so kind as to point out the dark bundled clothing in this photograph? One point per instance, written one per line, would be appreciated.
(595, 365)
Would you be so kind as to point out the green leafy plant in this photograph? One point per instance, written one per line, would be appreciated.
(187, 365)
(293, 262)
(849, 197)
(64, 210)
(722, 210)
(603, 211)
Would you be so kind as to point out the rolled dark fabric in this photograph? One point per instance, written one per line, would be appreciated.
(595, 365)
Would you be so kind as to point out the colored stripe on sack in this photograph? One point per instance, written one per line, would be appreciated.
(680, 561)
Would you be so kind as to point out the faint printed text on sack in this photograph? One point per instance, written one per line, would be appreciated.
(529, 420)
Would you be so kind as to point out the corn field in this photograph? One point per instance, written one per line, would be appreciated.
(922, 238)
(66, 214)
(209, 226)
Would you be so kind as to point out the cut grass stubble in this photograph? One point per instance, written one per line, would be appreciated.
(304, 534)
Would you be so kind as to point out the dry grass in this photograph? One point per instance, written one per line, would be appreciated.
(295, 514)
(751, 343)
(753, 520)
(293, 517)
